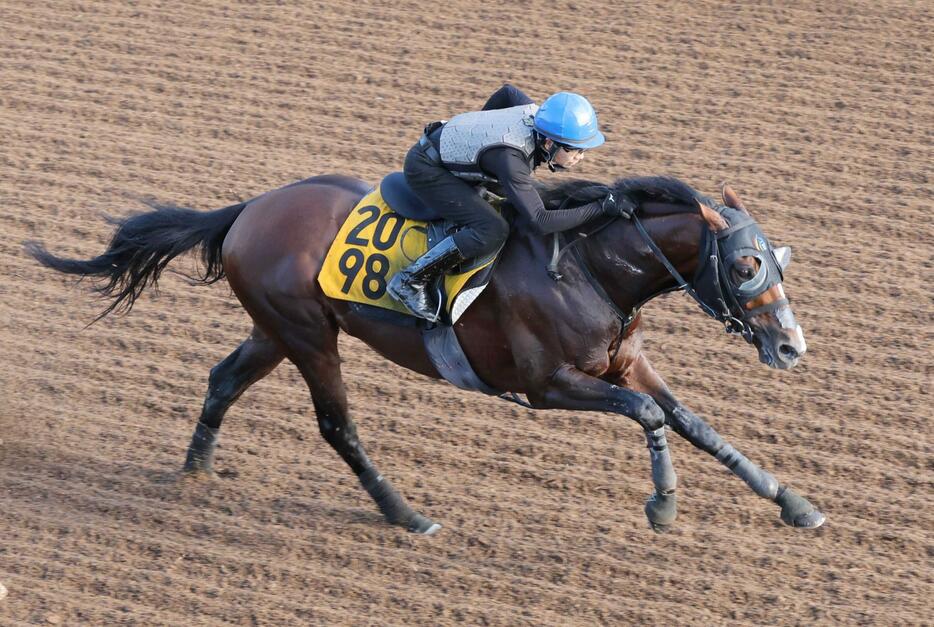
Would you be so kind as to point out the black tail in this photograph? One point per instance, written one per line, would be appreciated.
(143, 246)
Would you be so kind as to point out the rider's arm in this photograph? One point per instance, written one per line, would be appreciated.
(515, 177)
(505, 97)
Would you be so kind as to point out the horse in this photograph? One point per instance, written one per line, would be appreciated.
(565, 331)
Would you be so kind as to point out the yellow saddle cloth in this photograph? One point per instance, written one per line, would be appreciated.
(373, 244)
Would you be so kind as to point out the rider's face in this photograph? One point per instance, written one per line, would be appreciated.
(564, 157)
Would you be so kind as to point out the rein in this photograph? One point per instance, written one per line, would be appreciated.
(557, 251)
(731, 323)
(683, 284)
(710, 257)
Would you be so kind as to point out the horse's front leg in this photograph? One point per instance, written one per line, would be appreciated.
(796, 510)
(570, 388)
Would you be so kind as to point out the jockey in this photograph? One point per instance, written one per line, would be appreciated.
(501, 144)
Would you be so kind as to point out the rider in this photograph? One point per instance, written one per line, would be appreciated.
(502, 144)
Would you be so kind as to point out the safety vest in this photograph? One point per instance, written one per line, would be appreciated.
(465, 137)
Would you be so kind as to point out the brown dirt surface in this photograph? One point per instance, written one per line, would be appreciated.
(821, 115)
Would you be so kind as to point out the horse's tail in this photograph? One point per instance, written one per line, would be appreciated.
(143, 246)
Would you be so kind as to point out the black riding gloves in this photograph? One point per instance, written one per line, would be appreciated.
(617, 206)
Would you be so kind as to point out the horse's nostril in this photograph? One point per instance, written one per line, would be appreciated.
(788, 351)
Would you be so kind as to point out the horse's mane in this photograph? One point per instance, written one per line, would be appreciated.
(639, 189)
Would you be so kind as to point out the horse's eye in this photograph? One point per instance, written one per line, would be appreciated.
(745, 272)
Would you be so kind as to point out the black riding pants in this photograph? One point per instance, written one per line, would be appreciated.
(484, 230)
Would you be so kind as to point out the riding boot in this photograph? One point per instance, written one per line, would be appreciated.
(410, 285)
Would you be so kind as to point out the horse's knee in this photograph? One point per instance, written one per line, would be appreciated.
(342, 436)
(221, 369)
(214, 376)
(220, 391)
(219, 397)
(327, 429)
(212, 406)
(647, 413)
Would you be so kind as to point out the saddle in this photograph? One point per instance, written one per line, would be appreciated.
(387, 230)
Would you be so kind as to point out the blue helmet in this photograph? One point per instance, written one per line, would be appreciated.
(569, 119)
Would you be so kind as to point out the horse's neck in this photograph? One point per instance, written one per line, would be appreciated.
(627, 269)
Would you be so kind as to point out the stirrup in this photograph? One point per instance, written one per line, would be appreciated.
(411, 300)
(425, 271)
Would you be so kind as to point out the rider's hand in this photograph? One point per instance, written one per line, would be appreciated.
(617, 206)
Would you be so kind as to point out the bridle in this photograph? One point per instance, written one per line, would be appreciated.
(712, 287)
(710, 259)
(742, 238)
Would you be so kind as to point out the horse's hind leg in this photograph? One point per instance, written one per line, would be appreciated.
(312, 346)
(256, 357)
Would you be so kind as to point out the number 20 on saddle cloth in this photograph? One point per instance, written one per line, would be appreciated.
(375, 242)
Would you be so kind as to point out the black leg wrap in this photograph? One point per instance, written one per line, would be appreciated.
(662, 507)
(201, 450)
(663, 473)
(393, 506)
(761, 482)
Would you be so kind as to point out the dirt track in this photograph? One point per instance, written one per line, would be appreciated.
(822, 120)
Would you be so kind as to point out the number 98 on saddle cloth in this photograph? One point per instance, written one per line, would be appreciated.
(378, 239)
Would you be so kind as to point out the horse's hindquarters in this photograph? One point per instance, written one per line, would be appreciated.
(277, 245)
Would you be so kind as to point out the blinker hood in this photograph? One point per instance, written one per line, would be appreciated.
(713, 283)
(745, 239)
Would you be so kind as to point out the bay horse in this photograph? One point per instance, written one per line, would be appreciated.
(573, 343)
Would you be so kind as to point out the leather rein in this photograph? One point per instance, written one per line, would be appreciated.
(710, 255)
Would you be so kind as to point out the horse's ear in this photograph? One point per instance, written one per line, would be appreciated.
(783, 256)
(714, 220)
(731, 198)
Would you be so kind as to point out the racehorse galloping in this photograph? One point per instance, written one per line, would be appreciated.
(573, 343)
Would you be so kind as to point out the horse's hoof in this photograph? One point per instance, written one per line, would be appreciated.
(195, 475)
(811, 520)
(661, 510)
(797, 511)
(659, 529)
(423, 525)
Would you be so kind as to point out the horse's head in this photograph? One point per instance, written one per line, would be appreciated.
(741, 280)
